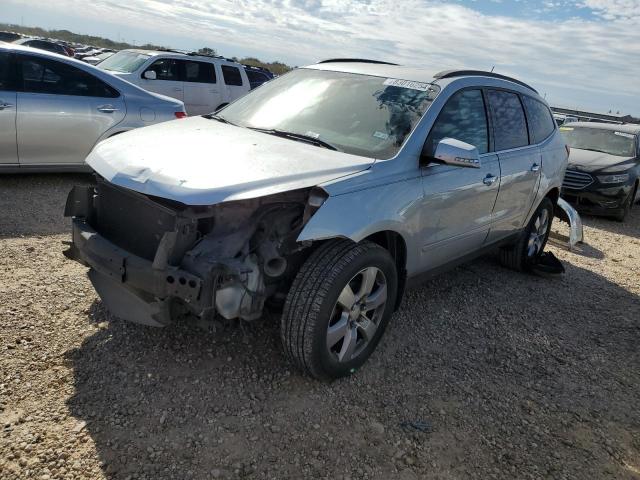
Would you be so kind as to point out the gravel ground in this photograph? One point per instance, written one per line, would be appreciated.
(484, 373)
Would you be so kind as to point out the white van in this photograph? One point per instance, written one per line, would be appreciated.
(203, 83)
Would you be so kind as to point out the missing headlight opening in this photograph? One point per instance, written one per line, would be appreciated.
(177, 261)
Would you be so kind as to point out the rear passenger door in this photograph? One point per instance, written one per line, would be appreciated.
(8, 146)
(234, 82)
(520, 163)
(168, 79)
(201, 89)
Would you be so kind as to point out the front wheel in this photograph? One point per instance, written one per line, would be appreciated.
(338, 307)
(626, 206)
(530, 245)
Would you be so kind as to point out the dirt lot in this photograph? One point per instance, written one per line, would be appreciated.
(484, 373)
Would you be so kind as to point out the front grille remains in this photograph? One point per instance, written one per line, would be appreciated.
(576, 180)
(130, 220)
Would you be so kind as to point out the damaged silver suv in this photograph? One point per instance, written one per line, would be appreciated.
(325, 192)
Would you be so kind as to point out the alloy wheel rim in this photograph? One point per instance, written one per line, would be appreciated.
(357, 314)
(538, 234)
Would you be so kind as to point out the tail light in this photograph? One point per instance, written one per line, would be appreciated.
(181, 115)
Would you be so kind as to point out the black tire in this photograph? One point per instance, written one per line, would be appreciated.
(628, 203)
(517, 256)
(313, 299)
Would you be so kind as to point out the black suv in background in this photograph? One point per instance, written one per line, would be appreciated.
(257, 75)
(604, 167)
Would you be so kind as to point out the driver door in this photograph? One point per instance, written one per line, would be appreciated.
(458, 201)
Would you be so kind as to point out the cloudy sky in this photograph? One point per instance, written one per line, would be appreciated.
(581, 53)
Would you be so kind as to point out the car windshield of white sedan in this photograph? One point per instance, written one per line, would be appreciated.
(357, 114)
(124, 62)
(621, 144)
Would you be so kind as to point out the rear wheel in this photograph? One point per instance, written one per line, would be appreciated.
(338, 307)
(532, 241)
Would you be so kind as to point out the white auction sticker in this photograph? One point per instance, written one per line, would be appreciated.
(381, 135)
(396, 82)
(623, 134)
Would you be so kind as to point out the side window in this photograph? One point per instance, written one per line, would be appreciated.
(463, 118)
(41, 75)
(510, 124)
(199, 72)
(5, 71)
(541, 123)
(231, 75)
(166, 69)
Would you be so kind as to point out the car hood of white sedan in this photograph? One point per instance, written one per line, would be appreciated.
(199, 161)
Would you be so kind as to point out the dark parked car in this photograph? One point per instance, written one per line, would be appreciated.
(258, 75)
(9, 36)
(604, 167)
(47, 45)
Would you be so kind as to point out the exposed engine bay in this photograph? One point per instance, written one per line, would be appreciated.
(154, 260)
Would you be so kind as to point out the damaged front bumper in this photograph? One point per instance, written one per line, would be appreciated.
(130, 285)
(154, 260)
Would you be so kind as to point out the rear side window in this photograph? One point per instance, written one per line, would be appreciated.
(166, 69)
(231, 75)
(463, 118)
(199, 72)
(510, 124)
(5, 71)
(541, 123)
(41, 75)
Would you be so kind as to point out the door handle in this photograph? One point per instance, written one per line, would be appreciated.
(489, 179)
(107, 109)
(535, 167)
(5, 105)
(177, 89)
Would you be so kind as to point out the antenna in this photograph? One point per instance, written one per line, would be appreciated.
(492, 68)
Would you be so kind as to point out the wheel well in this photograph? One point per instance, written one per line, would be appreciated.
(397, 248)
(554, 195)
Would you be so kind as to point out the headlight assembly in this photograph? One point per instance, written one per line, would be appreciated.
(620, 178)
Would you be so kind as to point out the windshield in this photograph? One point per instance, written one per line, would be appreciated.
(358, 114)
(600, 140)
(124, 62)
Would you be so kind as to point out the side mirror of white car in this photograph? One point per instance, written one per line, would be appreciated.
(150, 75)
(455, 152)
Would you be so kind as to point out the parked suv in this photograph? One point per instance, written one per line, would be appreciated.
(326, 191)
(257, 75)
(604, 167)
(203, 83)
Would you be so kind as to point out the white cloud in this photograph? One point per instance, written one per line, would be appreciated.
(578, 61)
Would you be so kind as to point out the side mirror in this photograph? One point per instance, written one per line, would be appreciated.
(150, 75)
(455, 152)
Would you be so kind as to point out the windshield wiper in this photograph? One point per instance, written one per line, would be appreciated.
(301, 137)
(213, 116)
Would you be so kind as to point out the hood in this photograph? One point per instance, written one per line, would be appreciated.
(198, 161)
(589, 161)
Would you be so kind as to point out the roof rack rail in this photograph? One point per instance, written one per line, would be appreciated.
(172, 50)
(480, 73)
(356, 60)
(255, 67)
(198, 54)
